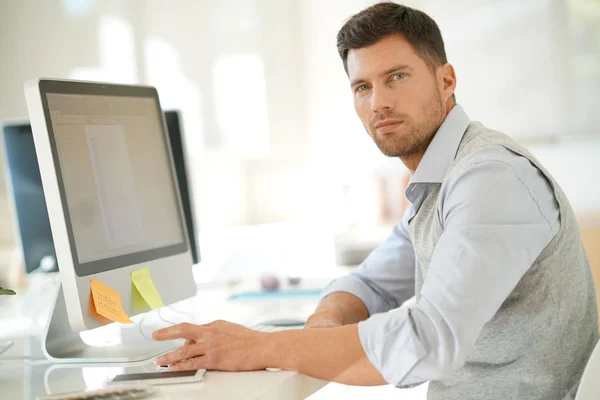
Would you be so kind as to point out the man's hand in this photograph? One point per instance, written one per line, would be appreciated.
(219, 345)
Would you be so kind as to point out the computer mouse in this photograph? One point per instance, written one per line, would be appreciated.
(282, 321)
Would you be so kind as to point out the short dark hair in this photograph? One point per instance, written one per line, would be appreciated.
(383, 19)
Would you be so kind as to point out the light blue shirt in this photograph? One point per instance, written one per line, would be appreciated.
(411, 344)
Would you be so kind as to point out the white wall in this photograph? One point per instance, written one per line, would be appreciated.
(574, 165)
(268, 30)
(39, 39)
(177, 47)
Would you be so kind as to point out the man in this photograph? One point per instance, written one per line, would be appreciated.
(505, 303)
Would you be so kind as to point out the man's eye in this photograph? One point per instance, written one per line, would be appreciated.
(398, 76)
(361, 88)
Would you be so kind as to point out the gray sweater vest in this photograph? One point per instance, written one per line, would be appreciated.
(538, 343)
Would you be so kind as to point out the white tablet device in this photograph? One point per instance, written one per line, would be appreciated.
(160, 378)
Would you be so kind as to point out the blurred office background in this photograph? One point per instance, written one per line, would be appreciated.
(284, 177)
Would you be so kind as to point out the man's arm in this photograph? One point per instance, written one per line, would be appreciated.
(330, 354)
(335, 355)
(488, 243)
(382, 282)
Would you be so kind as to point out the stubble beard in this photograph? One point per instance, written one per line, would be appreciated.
(417, 136)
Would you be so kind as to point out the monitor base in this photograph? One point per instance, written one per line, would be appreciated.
(62, 345)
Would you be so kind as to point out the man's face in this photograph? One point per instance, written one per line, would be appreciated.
(396, 95)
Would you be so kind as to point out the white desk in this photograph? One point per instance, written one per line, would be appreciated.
(26, 380)
(25, 374)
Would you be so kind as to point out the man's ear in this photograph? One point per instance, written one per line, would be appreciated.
(447, 80)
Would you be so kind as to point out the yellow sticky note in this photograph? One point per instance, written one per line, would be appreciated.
(107, 302)
(143, 283)
(138, 304)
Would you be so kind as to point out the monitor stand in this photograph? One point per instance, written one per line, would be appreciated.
(62, 345)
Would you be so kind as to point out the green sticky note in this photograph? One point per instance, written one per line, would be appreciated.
(142, 281)
(7, 291)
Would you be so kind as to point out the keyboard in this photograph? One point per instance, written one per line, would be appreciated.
(113, 393)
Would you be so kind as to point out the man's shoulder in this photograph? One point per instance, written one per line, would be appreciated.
(478, 136)
(481, 145)
(485, 160)
(489, 154)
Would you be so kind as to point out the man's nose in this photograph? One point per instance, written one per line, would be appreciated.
(381, 100)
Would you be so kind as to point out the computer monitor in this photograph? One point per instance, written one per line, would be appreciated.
(173, 120)
(112, 196)
(25, 188)
(32, 225)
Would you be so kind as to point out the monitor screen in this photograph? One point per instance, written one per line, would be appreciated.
(115, 177)
(30, 205)
(33, 225)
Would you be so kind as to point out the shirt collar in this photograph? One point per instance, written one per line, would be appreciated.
(441, 151)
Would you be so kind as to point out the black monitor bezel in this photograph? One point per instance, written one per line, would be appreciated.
(173, 120)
